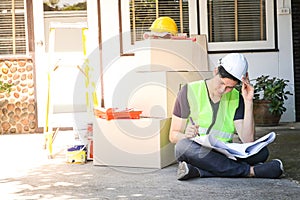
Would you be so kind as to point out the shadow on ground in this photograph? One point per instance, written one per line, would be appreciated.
(71, 181)
(27, 174)
(287, 148)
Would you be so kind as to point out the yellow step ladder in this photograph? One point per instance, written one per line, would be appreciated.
(86, 70)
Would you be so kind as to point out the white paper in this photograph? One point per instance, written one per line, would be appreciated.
(236, 150)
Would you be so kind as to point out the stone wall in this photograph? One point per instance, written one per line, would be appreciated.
(18, 112)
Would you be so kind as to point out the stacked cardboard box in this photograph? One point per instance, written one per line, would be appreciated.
(153, 89)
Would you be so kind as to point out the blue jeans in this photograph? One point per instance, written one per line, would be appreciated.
(211, 163)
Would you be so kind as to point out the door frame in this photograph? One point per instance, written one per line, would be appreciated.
(94, 42)
(38, 43)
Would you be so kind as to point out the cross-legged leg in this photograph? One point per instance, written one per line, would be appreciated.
(209, 162)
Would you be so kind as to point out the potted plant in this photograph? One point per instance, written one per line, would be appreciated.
(5, 87)
(269, 97)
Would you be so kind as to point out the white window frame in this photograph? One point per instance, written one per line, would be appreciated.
(269, 43)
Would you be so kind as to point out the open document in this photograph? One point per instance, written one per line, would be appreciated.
(236, 150)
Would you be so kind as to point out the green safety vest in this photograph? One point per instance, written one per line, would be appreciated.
(202, 113)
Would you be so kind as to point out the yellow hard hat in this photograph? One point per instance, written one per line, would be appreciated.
(164, 24)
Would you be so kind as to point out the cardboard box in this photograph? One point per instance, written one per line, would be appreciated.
(150, 80)
(156, 91)
(176, 54)
(133, 143)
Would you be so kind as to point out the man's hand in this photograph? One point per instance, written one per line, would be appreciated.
(191, 131)
(247, 89)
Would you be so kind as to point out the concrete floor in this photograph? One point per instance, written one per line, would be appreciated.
(26, 173)
(286, 147)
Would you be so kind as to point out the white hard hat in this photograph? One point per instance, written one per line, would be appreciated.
(235, 64)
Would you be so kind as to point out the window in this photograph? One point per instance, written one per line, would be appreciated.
(65, 11)
(64, 5)
(12, 27)
(144, 12)
(238, 24)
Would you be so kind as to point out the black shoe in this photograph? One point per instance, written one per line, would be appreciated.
(271, 169)
(186, 171)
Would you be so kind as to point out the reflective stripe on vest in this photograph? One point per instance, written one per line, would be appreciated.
(202, 113)
(222, 136)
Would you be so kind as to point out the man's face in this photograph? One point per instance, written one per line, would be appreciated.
(224, 85)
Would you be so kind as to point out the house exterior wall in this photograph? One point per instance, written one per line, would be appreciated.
(275, 63)
(279, 63)
(115, 67)
(18, 108)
